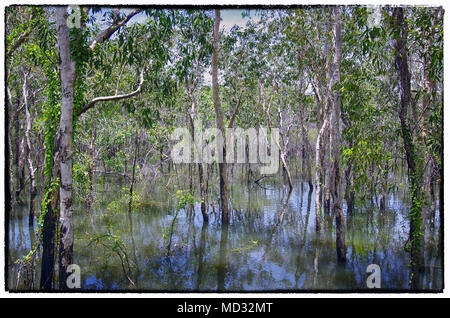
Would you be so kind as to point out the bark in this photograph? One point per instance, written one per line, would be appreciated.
(413, 155)
(336, 189)
(306, 147)
(318, 177)
(219, 119)
(18, 147)
(49, 229)
(9, 206)
(31, 169)
(92, 162)
(20, 159)
(349, 189)
(327, 172)
(67, 74)
(284, 139)
(133, 172)
(323, 125)
(192, 114)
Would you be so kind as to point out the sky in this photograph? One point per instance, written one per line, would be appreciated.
(229, 18)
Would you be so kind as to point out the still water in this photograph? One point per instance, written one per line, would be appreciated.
(270, 244)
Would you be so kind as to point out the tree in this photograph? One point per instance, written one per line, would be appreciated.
(335, 122)
(67, 73)
(414, 156)
(219, 119)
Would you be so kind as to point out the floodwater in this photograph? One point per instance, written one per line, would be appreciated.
(269, 245)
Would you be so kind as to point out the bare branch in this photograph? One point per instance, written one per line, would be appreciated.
(114, 97)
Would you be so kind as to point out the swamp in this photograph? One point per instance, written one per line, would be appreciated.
(171, 149)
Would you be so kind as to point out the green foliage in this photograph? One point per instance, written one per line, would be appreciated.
(121, 203)
(184, 198)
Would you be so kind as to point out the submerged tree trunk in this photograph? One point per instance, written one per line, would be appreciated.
(336, 188)
(20, 159)
(306, 147)
(31, 169)
(192, 114)
(67, 74)
(414, 157)
(133, 172)
(327, 173)
(92, 162)
(318, 177)
(49, 212)
(219, 118)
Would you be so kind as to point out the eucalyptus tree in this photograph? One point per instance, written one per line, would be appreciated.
(316, 24)
(79, 56)
(21, 21)
(223, 169)
(67, 75)
(193, 51)
(369, 143)
(414, 154)
(295, 27)
(425, 31)
(275, 82)
(243, 67)
(335, 127)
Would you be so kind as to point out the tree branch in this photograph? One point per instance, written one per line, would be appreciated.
(114, 97)
(233, 116)
(22, 38)
(105, 35)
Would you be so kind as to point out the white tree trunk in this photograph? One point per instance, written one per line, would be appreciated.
(67, 73)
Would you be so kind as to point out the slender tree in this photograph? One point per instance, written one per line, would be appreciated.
(336, 190)
(219, 119)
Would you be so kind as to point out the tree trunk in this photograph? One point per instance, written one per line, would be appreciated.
(67, 74)
(19, 157)
(29, 121)
(327, 172)
(219, 118)
(92, 162)
(306, 147)
(336, 188)
(133, 171)
(414, 157)
(318, 177)
(192, 114)
(49, 211)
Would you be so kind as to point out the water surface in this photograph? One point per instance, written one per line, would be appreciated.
(270, 244)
